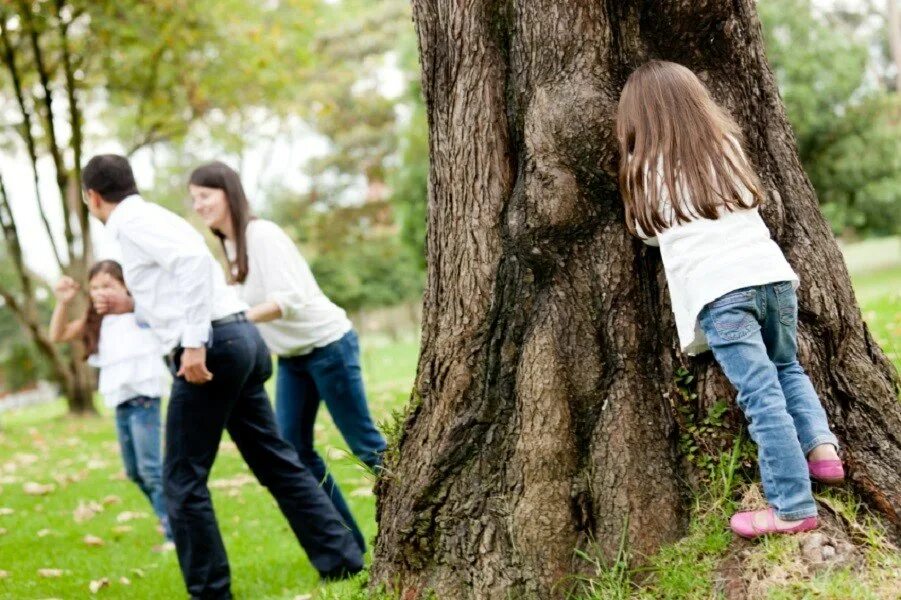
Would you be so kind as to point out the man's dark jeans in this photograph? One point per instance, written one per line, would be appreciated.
(236, 400)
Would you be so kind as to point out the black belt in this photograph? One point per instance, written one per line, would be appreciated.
(235, 318)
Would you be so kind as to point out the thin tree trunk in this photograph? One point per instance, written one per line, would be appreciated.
(540, 419)
(893, 27)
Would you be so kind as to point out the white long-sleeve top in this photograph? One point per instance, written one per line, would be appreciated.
(177, 285)
(130, 361)
(706, 258)
(276, 272)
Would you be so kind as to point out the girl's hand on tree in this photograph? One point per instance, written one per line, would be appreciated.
(66, 289)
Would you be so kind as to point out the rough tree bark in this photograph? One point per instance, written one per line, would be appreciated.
(540, 419)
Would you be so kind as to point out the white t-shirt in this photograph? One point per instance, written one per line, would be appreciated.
(276, 272)
(130, 359)
(707, 258)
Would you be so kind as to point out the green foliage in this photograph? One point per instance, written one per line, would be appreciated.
(354, 251)
(409, 179)
(610, 581)
(378, 272)
(846, 126)
(21, 366)
(707, 441)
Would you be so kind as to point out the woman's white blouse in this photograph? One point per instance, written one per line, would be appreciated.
(130, 359)
(278, 273)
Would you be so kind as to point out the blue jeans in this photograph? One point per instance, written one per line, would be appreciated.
(331, 373)
(753, 335)
(138, 428)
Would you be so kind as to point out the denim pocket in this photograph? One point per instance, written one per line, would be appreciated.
(734, 325)
(734, 297)
(733, 314)
(787, 301)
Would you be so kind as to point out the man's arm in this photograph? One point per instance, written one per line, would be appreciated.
(190, 262)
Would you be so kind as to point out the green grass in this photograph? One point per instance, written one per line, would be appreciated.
(879, 296)
(80, 458)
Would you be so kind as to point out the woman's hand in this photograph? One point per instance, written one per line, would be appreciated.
(66, 289)
(193, 366)
(263, 313)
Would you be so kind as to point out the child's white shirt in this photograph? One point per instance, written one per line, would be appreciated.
(130, 361)
(706, 258)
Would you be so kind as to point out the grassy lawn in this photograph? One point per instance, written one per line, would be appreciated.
(79, 458)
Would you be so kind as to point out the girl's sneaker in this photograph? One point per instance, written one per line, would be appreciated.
(826, 471)
(745, 524)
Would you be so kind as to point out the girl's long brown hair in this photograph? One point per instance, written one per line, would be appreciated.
(220, 176)
(90, 335)
(678, 147)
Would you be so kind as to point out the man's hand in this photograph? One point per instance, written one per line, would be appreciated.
(113, 303)
(193, 366)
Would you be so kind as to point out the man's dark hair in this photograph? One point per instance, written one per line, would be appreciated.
(109, 175)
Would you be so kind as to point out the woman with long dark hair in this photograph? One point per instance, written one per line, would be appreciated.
(133, 376)
(317, 348)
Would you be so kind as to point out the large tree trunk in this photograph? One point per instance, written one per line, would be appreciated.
(541, 415)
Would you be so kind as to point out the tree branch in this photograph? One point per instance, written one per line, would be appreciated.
(62, 176)
(75, 119)
(10, 60)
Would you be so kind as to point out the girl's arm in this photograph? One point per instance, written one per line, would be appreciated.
(61, 329)
(264, 312)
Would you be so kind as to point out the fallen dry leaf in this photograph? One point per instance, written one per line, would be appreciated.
(50, 572)
(4, 574)
(303, 597)
(138, 572)
(93, 540)
(65, 479)
(334, 453)
(33, 488)
(124, 517)
(6, 511)
(44, 532)
(86, 511)
(125, 580)
(98, 584)
(95, 464)
(110, 500)
(2, 531)
(27, 459)
(234, 482)
(122, 528)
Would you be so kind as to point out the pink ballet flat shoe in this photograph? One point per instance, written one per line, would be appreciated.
(742, 523)
(826, 471)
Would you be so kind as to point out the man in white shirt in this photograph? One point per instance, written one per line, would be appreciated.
(179, 290)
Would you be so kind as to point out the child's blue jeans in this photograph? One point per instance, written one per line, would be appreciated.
(138, 428)
(753, 334)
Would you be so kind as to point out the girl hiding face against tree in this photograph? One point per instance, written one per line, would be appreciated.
(688, 187)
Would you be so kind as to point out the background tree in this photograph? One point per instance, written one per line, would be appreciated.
(361, 222)
(542, 417)
(847, 124)
(144, 71)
